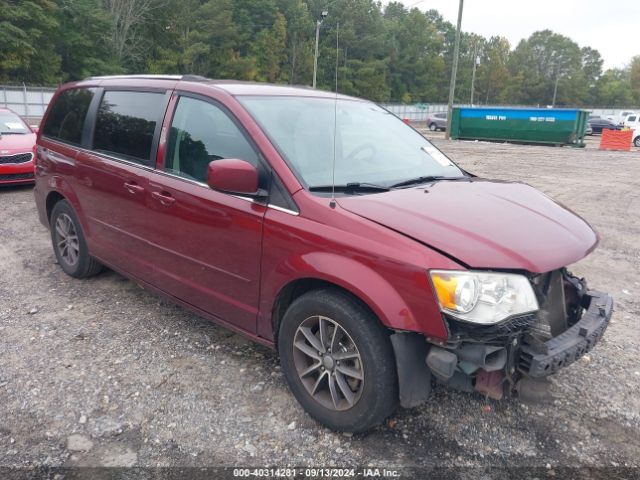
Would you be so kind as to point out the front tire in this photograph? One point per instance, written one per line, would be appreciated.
(433, 127)
(69, 243)
(338, 361)
(636, 141)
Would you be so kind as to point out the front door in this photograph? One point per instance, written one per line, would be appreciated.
(207, 243)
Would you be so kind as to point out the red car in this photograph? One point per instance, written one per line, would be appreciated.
(17, 149)
(323, 227)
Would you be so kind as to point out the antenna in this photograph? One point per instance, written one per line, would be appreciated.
(332, 203)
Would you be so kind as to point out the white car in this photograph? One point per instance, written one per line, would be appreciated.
(619, 118)
(632, 121)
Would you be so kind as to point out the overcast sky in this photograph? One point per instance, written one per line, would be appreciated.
(610, 26)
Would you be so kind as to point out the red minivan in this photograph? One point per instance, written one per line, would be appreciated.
(324, 227)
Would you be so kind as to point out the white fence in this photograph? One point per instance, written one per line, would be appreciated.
(415, 113)
(28, 102)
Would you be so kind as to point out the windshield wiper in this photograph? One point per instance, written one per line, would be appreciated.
(424, 179)
(354, 187)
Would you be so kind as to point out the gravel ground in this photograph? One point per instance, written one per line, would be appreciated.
(99, 372)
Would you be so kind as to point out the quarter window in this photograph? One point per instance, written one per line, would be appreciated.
(201, 133)
(126, 123)
(65, 121)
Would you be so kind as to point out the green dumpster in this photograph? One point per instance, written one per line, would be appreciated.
(553, 126)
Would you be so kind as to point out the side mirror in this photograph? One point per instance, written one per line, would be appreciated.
(35, 128)
(231, 175)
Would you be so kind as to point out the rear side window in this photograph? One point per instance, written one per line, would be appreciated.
(66, 118)
(631, 119)
(126, 123)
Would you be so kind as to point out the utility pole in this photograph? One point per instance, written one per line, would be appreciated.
(476, 64)
(323, 15)
(454, 71)
(555, 87)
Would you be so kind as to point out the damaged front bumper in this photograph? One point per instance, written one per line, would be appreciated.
(506, 357)
(542, 359)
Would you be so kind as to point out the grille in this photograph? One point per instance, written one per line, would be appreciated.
(17, 176)
(507, 328)
(17, 158)
(516, 324)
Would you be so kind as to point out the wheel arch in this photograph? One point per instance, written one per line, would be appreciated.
(296, 288)
(59, 189)
(322, 270)
(53, 197)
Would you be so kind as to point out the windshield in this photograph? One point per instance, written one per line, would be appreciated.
(10, 123)
(371, 145)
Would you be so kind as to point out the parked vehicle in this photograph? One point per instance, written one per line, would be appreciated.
(619, 119)
(622, 117)
(598, 123)
(636, 137)
(17, 149)
(437, 121)
(369, 260)
(632, 121)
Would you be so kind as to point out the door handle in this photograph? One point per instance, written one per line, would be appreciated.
(164, 198)
(133, 187)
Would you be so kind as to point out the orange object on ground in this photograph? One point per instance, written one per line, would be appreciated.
(616, 140)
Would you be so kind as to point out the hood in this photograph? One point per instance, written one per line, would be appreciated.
(482, 223)
(17, 143)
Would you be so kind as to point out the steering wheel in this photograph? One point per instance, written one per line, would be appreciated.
(366, 147)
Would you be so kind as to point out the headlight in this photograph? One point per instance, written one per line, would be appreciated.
(483, 297)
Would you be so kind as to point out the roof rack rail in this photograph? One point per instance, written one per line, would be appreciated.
(189, 78)
(194, 78)
(150, 77)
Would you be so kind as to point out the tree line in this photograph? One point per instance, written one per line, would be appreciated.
(386, 53)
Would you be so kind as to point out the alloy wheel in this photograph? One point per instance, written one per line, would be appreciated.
(328, 363)
(67, 241)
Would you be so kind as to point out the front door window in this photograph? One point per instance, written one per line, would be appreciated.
(201, 133)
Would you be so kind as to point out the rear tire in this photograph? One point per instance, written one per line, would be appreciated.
(352, 351)
(636, 141)
(69, 244)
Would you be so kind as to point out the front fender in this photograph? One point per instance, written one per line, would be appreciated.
(356, 277)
